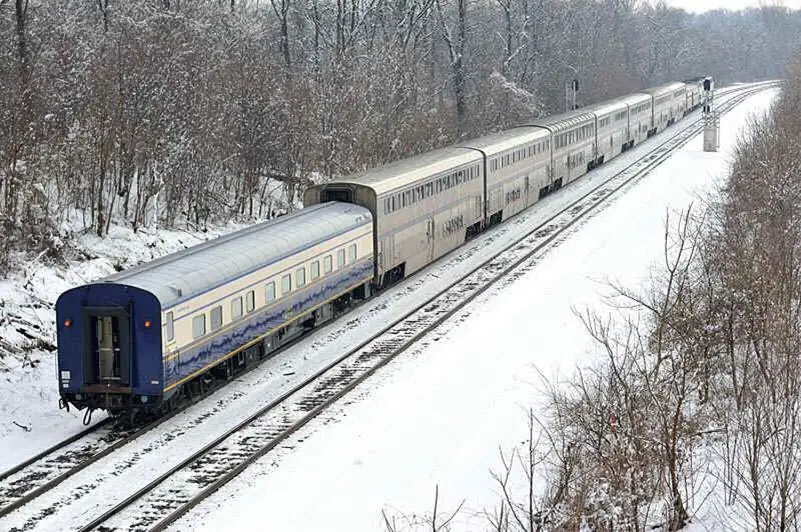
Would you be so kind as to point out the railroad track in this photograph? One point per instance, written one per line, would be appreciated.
(172, 494)
(48, 469)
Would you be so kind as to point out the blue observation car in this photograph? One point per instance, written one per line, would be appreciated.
(144, 338)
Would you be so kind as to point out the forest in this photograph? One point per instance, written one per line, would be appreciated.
(693, 402)
(170, 113)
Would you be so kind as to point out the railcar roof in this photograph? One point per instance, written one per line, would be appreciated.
(506, 140)
(607, 107)
(634, 99)
(404, 172)
(184, 274)
(563, 121)
(668, 87)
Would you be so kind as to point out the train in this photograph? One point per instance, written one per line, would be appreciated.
(146, 339)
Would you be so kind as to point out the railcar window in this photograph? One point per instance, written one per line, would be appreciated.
(269, 292)
(236, 308)
(300, 277)
(198, 326)
(352, 253)
(328, 264)
(315, 269)
(250, 301)
(216, 318)
(340, 258)
(169, 325)
(286, 284)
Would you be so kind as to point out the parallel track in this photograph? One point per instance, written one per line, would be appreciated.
(48, 469)
(41, 473)
(172, 494)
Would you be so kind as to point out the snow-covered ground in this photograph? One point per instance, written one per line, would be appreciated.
(30, 420)
(430, 418)
(439, 415)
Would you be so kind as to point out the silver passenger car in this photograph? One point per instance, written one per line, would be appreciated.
(669, 103)
(573, 148)
(640, 118)
(695, 87)
(423, 207)
(516, 168)
(612, 129)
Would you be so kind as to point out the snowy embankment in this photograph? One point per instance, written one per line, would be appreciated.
(30, 420)
(439, 415)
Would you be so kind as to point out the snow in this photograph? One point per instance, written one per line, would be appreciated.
(435, 416)
(31, 420)
(440, 415)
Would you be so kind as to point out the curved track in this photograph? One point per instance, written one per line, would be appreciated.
(172, 494)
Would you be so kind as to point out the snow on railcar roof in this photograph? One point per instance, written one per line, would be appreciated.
(667, 87)
(410, 170)
(179, 276)
(505, 140)
(562, 121)
(633, 98)
(610, 106)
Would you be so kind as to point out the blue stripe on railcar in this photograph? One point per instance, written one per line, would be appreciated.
(185, 365)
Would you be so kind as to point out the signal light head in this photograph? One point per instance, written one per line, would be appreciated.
(67, 322)
(148, 323)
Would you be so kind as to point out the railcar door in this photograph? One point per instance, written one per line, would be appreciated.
(344, 195)
(107, 348)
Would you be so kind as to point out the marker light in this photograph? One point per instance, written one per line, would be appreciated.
(67, 322)
(148, 323)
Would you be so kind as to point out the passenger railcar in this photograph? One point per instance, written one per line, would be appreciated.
(134, 340)
(516, 165)
(423, 207)
(669, 103)
(573, 147)
(612, 129)
(640, 118)
(693, 95)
